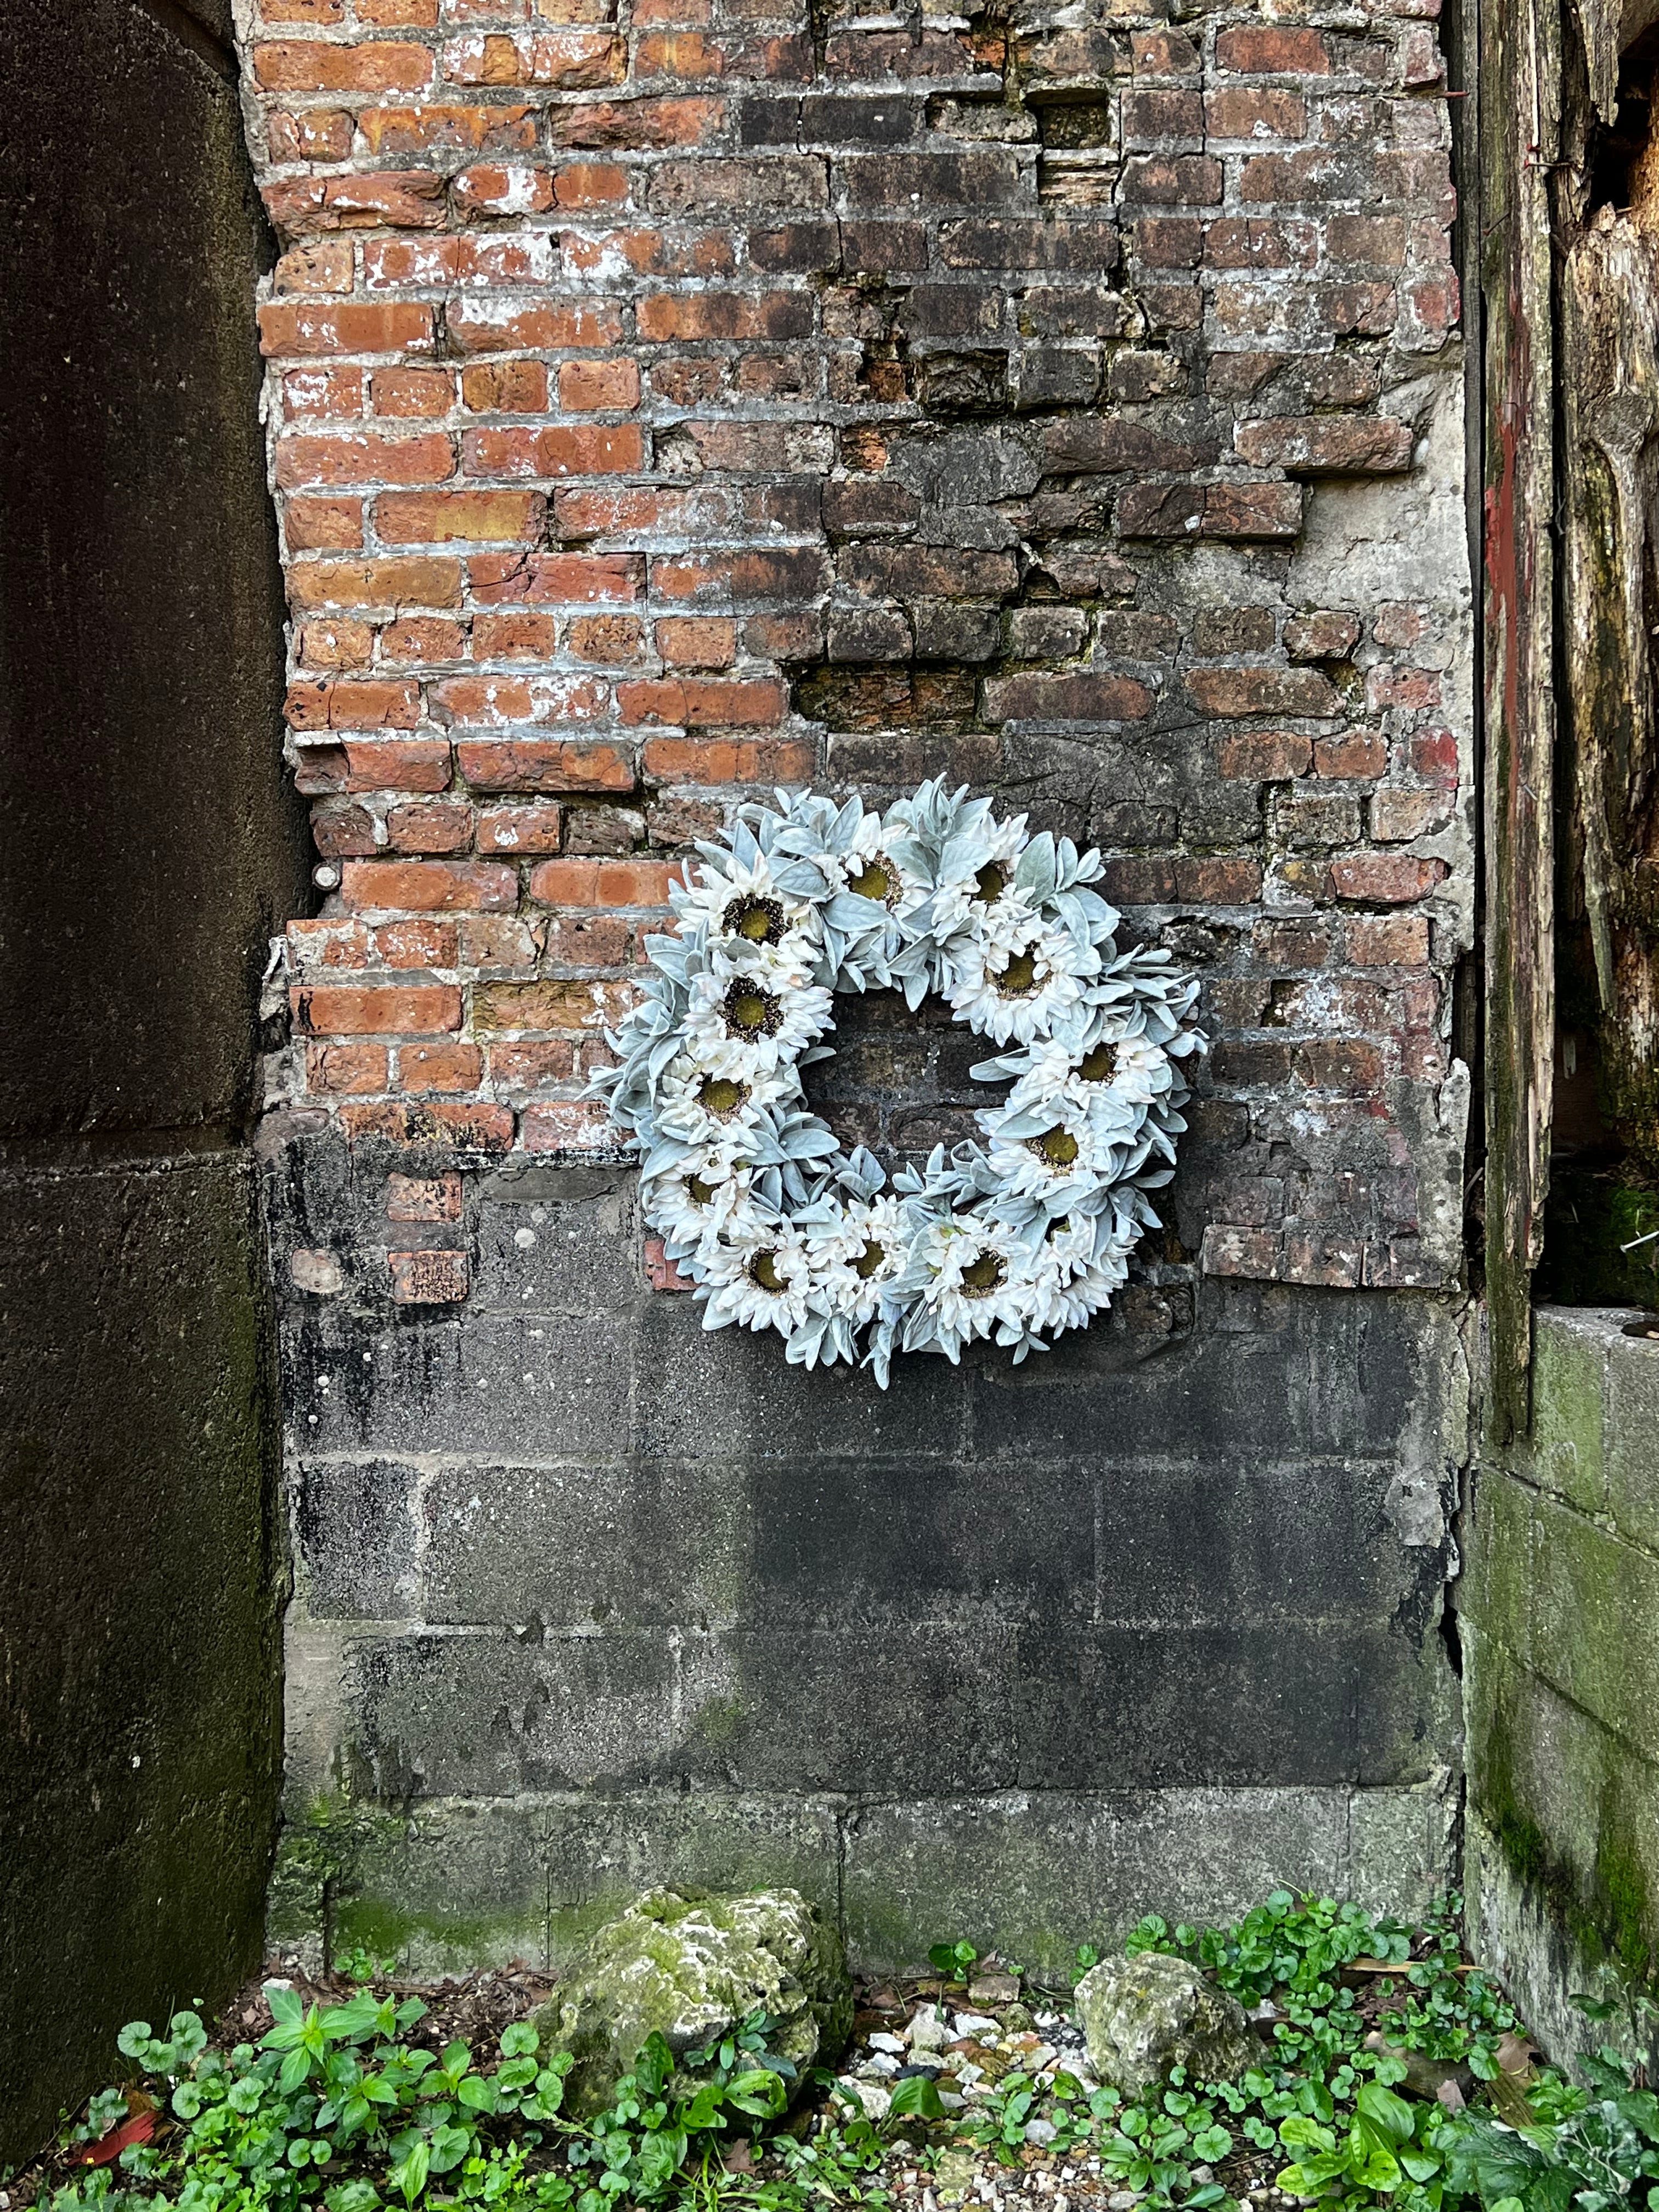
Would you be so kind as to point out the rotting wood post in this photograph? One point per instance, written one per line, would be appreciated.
(1521, 76)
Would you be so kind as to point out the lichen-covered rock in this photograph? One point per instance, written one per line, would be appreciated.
(691, 1968)
(1143, 2016)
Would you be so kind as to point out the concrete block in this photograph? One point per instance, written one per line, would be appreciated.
(356, 1522)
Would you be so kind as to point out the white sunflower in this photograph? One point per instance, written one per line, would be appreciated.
(969, 1276)
(744, 1022)
(698, 1103)
(1080, 1263)
(704, 1194)
(1054, 1146)
(760, 1280)
(975, 888)
(742, 905)
(857, 1256)
(1019, 986)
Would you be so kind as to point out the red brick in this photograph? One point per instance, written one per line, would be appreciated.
(727, 761)
(432, 825)
(449, 518)
(1229, 691)
(567, 61)
(551, 1003)
(1272, 50)
(327, 704)
(412, 391)
(601, 882)
(324, 266)
(591, 184)
(660, 1270)
(564, 450)
(1251, 1252)
(637, 126)
(702, 702)
(514, 636)
(291, 326)
(696, 641)
(430, 886)
(505, 387)
(393, 583)
(1434, 754)
(1266, 755)
(1386, 879)
(420, 638)
(424, 1198)
(349, 1069)
(1387, 941)
(428, 1067)
(1084, 697)
(610, 640)
(323, 526)
(336, 645)
(428, 1279)
(368, 1010)
(342, 458)
(497, 325)
(587, 386)
(418, 943)
(1217, 882)
(365, 65)
(309, 393)
(1355, 753)
(1318, 445)
(567, 1126)
(321, 134)
(557, 580)
(1255, 115)
(554, 764)
(502, 188)
(519, 829)
(449, 128)
(394, 764)
(1345, 1064)
(1326, 634)
(468, 1127)
(1411, 688)
(1399, 815)
(516, 1067)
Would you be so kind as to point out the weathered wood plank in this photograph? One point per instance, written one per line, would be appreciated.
(1521, 73)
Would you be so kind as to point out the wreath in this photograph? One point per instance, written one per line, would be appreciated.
(1021, 1236)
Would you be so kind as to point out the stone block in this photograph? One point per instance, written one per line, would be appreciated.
(1569, 1393)
(355, 1521)
(557, 1240)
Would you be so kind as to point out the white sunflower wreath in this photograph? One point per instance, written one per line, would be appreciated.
(1022, 1236)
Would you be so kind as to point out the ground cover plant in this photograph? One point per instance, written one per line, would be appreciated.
(1392, 2074)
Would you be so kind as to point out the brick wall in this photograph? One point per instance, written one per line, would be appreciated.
(670, 400)
(665, 408)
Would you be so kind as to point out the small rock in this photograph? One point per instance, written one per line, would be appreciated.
(953, 2175)
(976, 2023)
(927, 2031)
(994, 1989)
(882, 2041)
(879, 2064)
(874, 2098)
(1121, 2200)
(1144, 2016)
(692, 1968)
(1040, 2131)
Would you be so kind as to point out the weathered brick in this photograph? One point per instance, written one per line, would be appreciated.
(430, 886)
(449, 518)
(368, 1010)
(552, 764)
(1318, 445)
(1385, 878)
(428, 1277)
(294, 326)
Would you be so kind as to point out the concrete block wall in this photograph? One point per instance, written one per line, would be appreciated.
(1562, 1680)
(671, 398)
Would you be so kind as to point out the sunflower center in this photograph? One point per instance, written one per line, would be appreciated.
(983, 1276)
(1058, 1146)
(869, 1260)
(759, 920)
(762, 1269)
(701, 1193)
(720, 1095)
(874, 882)
(1099, 1066)
(1018, 979)
(990, 883)
(750, 1012)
